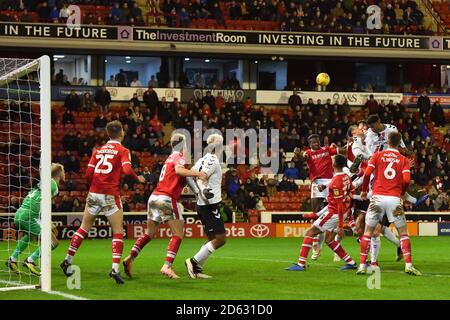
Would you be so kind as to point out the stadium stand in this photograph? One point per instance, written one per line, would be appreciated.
(443, 10)
(399, 16)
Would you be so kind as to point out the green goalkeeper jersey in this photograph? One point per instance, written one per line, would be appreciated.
(31, 205)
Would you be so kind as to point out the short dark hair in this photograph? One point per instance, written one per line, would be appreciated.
(364, 122)
(340, 161)
(313, 136)
(394, 139)
(372, 119)
(114, 129)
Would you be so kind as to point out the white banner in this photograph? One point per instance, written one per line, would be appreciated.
(353, 98)
(126, 93)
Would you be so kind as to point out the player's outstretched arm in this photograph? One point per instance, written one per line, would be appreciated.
(301, 155)
(406, 174)
(128, 170)
(181, 171)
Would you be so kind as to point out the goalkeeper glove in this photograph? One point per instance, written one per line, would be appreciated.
(355, 165)
(207, 193)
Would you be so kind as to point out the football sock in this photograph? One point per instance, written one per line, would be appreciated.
(321, 240)
(117, 249)
(318, 242)
(315, 243)
(364, 245)
(375, 244)
(75, 243)
(337, 248)
(410, 198)
(406, 248)
(172, 250)
(139, 245)
(35, 255)
(304, 251)
(22, 244)
(390, 236)
(202, 255)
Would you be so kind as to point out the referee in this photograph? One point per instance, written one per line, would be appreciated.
(209, 197)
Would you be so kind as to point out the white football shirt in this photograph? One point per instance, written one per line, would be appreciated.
(379, 141)
(211, 166)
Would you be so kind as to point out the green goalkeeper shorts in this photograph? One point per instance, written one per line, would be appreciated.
(23, 222)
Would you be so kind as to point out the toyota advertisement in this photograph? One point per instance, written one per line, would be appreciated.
(234, 230)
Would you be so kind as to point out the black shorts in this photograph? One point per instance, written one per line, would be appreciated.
(361, 205)
(385, 222)
(210, 217)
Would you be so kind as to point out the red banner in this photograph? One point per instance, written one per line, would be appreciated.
(233, 230)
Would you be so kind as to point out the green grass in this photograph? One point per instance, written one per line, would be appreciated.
(251, 269)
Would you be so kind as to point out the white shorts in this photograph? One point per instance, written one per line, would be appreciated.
(108, 204)
(327, 222)
(390, 206)
(315, 192)
(163, 208)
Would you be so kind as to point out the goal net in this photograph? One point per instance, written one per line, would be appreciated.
(25, 160)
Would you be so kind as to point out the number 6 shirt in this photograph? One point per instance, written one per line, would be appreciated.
(391, 173)
(105, 167)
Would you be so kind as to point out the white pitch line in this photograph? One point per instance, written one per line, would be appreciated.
(21, 286)
(321, 264)
(67, 295)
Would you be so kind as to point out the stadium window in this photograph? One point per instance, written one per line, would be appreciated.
(71, 70)
(126, 71)
(211, 73)
(272, 75)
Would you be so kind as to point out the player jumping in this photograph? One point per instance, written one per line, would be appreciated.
(163, 207)
(209, 196)
(376, 140)
(391, 180)
(332, 222)
(320, 167)
(104, 170)
(26, 220)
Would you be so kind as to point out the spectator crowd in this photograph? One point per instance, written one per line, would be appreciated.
(337, 16)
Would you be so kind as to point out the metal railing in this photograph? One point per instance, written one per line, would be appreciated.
(435, 16)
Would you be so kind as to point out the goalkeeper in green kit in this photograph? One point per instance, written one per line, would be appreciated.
(26, 220)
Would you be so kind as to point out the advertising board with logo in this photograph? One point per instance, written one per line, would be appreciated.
(291, 230)
(353, 98)
(233, 230)
(410, 99)
(444, 229)
(96, 232)
(125, 93)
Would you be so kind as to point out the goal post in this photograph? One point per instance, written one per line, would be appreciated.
(46, 160)
(25, 159)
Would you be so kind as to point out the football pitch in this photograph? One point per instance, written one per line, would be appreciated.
(250, 269)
